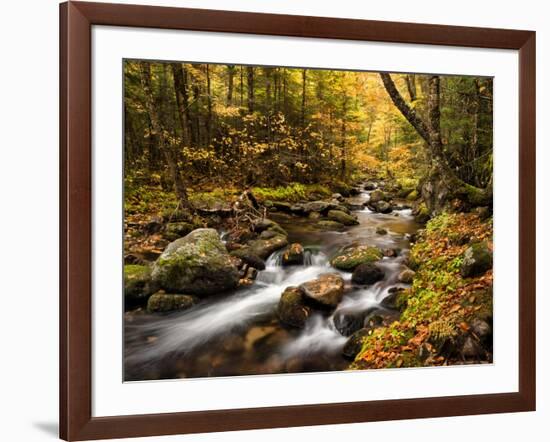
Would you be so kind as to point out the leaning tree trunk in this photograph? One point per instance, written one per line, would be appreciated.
(442, 185)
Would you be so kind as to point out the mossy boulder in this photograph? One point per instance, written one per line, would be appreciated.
(137, 282)
(267, 227)
(342, 188)
(318, 206)
(377, 196)
(265, 247)
(330, 225)
(381, 207)
(161, 302)
(293, 255)
(327, 290)
(342, 217)
(477, 259)
(173, 231)
(292, 309)
(351, 257)
(197, 264)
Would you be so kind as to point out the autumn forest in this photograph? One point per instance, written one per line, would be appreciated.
(287, 220)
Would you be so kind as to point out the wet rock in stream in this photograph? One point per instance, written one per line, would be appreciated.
(161, 302)
(292, 309)
(368, 273)
(293, 255)
(197, 264)
(327, 290)
(350, 257)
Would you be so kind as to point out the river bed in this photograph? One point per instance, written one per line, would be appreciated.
(239, 333)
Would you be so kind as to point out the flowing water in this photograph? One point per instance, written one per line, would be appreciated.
(239, 334)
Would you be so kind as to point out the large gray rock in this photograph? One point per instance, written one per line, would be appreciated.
(292, 309)
(342, 217)
(478, 258)
(327, 290)
(197, 264)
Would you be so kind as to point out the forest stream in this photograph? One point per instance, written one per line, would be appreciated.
(239, 333)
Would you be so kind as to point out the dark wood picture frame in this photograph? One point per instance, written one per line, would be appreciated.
(76, 21)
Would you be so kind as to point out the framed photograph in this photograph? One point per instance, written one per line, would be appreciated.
(272, 220)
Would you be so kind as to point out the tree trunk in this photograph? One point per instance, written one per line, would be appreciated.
(209, 107)
(411, 86)
(241, 89)
(230, 75)
(442, 185)
(181, 100)
(304, 97)
(160, 131)
(268, 98)
(343, 152)
(250, 84)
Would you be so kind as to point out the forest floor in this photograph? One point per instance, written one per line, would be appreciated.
(149, 207)
(444, 315)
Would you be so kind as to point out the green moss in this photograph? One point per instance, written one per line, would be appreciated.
(212, 199)
(422, 214)
(177, 230)
(407, 183)
(294, 192)
(351, 257)
(412, 196)
(474, 195)
(137, 281)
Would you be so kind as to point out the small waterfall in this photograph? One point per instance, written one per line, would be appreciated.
(319, 334)
(312, 257)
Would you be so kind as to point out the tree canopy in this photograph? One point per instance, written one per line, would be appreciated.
(202, 126)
